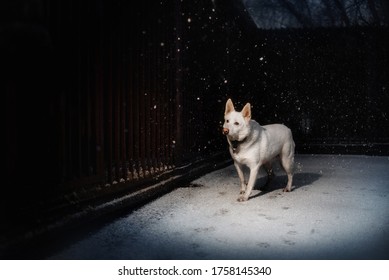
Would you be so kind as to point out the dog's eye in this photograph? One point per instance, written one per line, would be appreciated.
(227, 121)
(236, 123)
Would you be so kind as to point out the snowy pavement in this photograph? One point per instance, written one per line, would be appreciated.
(338, 209)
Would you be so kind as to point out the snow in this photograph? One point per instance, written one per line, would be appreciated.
(338, 209)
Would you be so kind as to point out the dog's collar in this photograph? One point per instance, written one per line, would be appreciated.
(235, 144)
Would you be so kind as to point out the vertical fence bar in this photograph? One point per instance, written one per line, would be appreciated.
(130, 113)
(178, 85)
(99, 109)
(108, 120)
(124, 108)
(136, 127)
(116, 108)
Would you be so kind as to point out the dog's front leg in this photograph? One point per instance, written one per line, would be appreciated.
(241, 177)
(250, 185)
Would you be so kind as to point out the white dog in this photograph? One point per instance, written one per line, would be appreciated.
(253, 145)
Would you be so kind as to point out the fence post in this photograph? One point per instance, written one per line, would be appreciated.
(178, 146)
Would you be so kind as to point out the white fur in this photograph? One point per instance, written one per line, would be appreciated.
(257, 146)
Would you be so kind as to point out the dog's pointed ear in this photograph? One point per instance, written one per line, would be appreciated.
(229, 107)
(246, 112)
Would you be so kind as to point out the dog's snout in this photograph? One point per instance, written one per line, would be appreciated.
(225, 131)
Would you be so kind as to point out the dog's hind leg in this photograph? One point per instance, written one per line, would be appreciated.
(287, 162)
(270, 175)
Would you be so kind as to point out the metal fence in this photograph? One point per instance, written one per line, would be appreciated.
(109, 97)
(118, 118)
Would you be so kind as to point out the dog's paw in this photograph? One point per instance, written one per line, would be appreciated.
(242, 192)
(242, 198)
(287, 189)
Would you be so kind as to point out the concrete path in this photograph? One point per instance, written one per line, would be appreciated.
(338, 209)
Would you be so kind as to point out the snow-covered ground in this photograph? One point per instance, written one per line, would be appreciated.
(338, 209)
